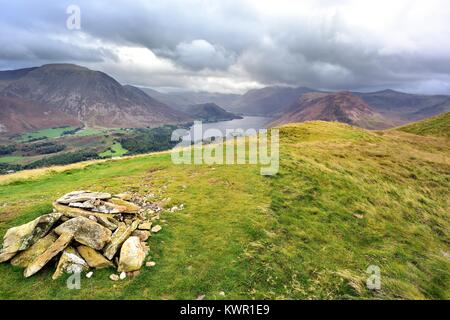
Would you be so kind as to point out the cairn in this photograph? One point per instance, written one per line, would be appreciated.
(86, 230)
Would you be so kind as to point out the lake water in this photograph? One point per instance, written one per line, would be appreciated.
(210, 129)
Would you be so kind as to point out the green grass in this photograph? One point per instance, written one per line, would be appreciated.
(437, 126)
(49, 133)
(10, 159)
(97, 132)
(90, 132)
(290, 236)
(116, 150)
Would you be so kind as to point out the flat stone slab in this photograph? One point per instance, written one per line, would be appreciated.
(86, 232)
(59, 245)
(82, 195)
(119, 236)
(93, 258)
(22, 237)
(24, 258)
(70, 262)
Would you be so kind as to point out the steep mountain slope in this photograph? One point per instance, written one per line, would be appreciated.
(209, 112)
(345, 199)
(438, 126)
(341, 107)
(405, 107)
(8, 76)
(268, 101)
(18, 115)
(92, 97)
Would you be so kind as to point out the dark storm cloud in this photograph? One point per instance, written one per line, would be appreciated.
(322, 44)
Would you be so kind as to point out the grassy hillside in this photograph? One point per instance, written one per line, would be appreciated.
(344, 199)
(438, 126)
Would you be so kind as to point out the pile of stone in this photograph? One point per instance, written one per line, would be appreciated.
(86, 230)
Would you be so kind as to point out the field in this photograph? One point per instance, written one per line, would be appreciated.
(116, 150)
(10, 159)
(344, 199)
(49, 133)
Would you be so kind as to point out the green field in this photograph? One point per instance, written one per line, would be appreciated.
(116, 150)
(10, 159)
(344, 199)
(49, 133)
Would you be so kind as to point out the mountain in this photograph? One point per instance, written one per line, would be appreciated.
(17, 115)
(181, 100)
(405, 107)
(438, 126)
(209, 112)
(8, 76)
(90, 97)
(341, 107)
(268, 101)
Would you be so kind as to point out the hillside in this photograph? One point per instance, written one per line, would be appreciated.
(209, 112)
(91, 97)
(344, 199)
(268, 101)
(341, 107)
(18, 115)
(405, 107)
(438, 126)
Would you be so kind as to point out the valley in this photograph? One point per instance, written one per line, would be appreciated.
(345, 199)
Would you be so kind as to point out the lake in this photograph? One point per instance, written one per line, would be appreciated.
(212, 129)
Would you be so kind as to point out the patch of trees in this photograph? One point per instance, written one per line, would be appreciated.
(149, 140)
(70, 132)
(41, 148)
(37, 139)
(7, 149)
(7, 168)
(61, 159)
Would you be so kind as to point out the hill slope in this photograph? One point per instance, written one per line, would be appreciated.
(344, 199)
(92, 97)
(18, 115)
(209, 112)
(405, 107)
(268, 101)
(341, 107)
(438, 126)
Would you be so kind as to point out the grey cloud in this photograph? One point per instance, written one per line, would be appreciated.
(314, 49)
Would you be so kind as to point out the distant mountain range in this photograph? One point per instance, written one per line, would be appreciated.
(340, 107)
(66, 94)
(396, 107)
(73, 94)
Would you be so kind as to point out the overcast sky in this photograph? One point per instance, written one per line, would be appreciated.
(236, 45)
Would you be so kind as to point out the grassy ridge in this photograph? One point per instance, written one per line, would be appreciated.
(438, 126)
(344, 199)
